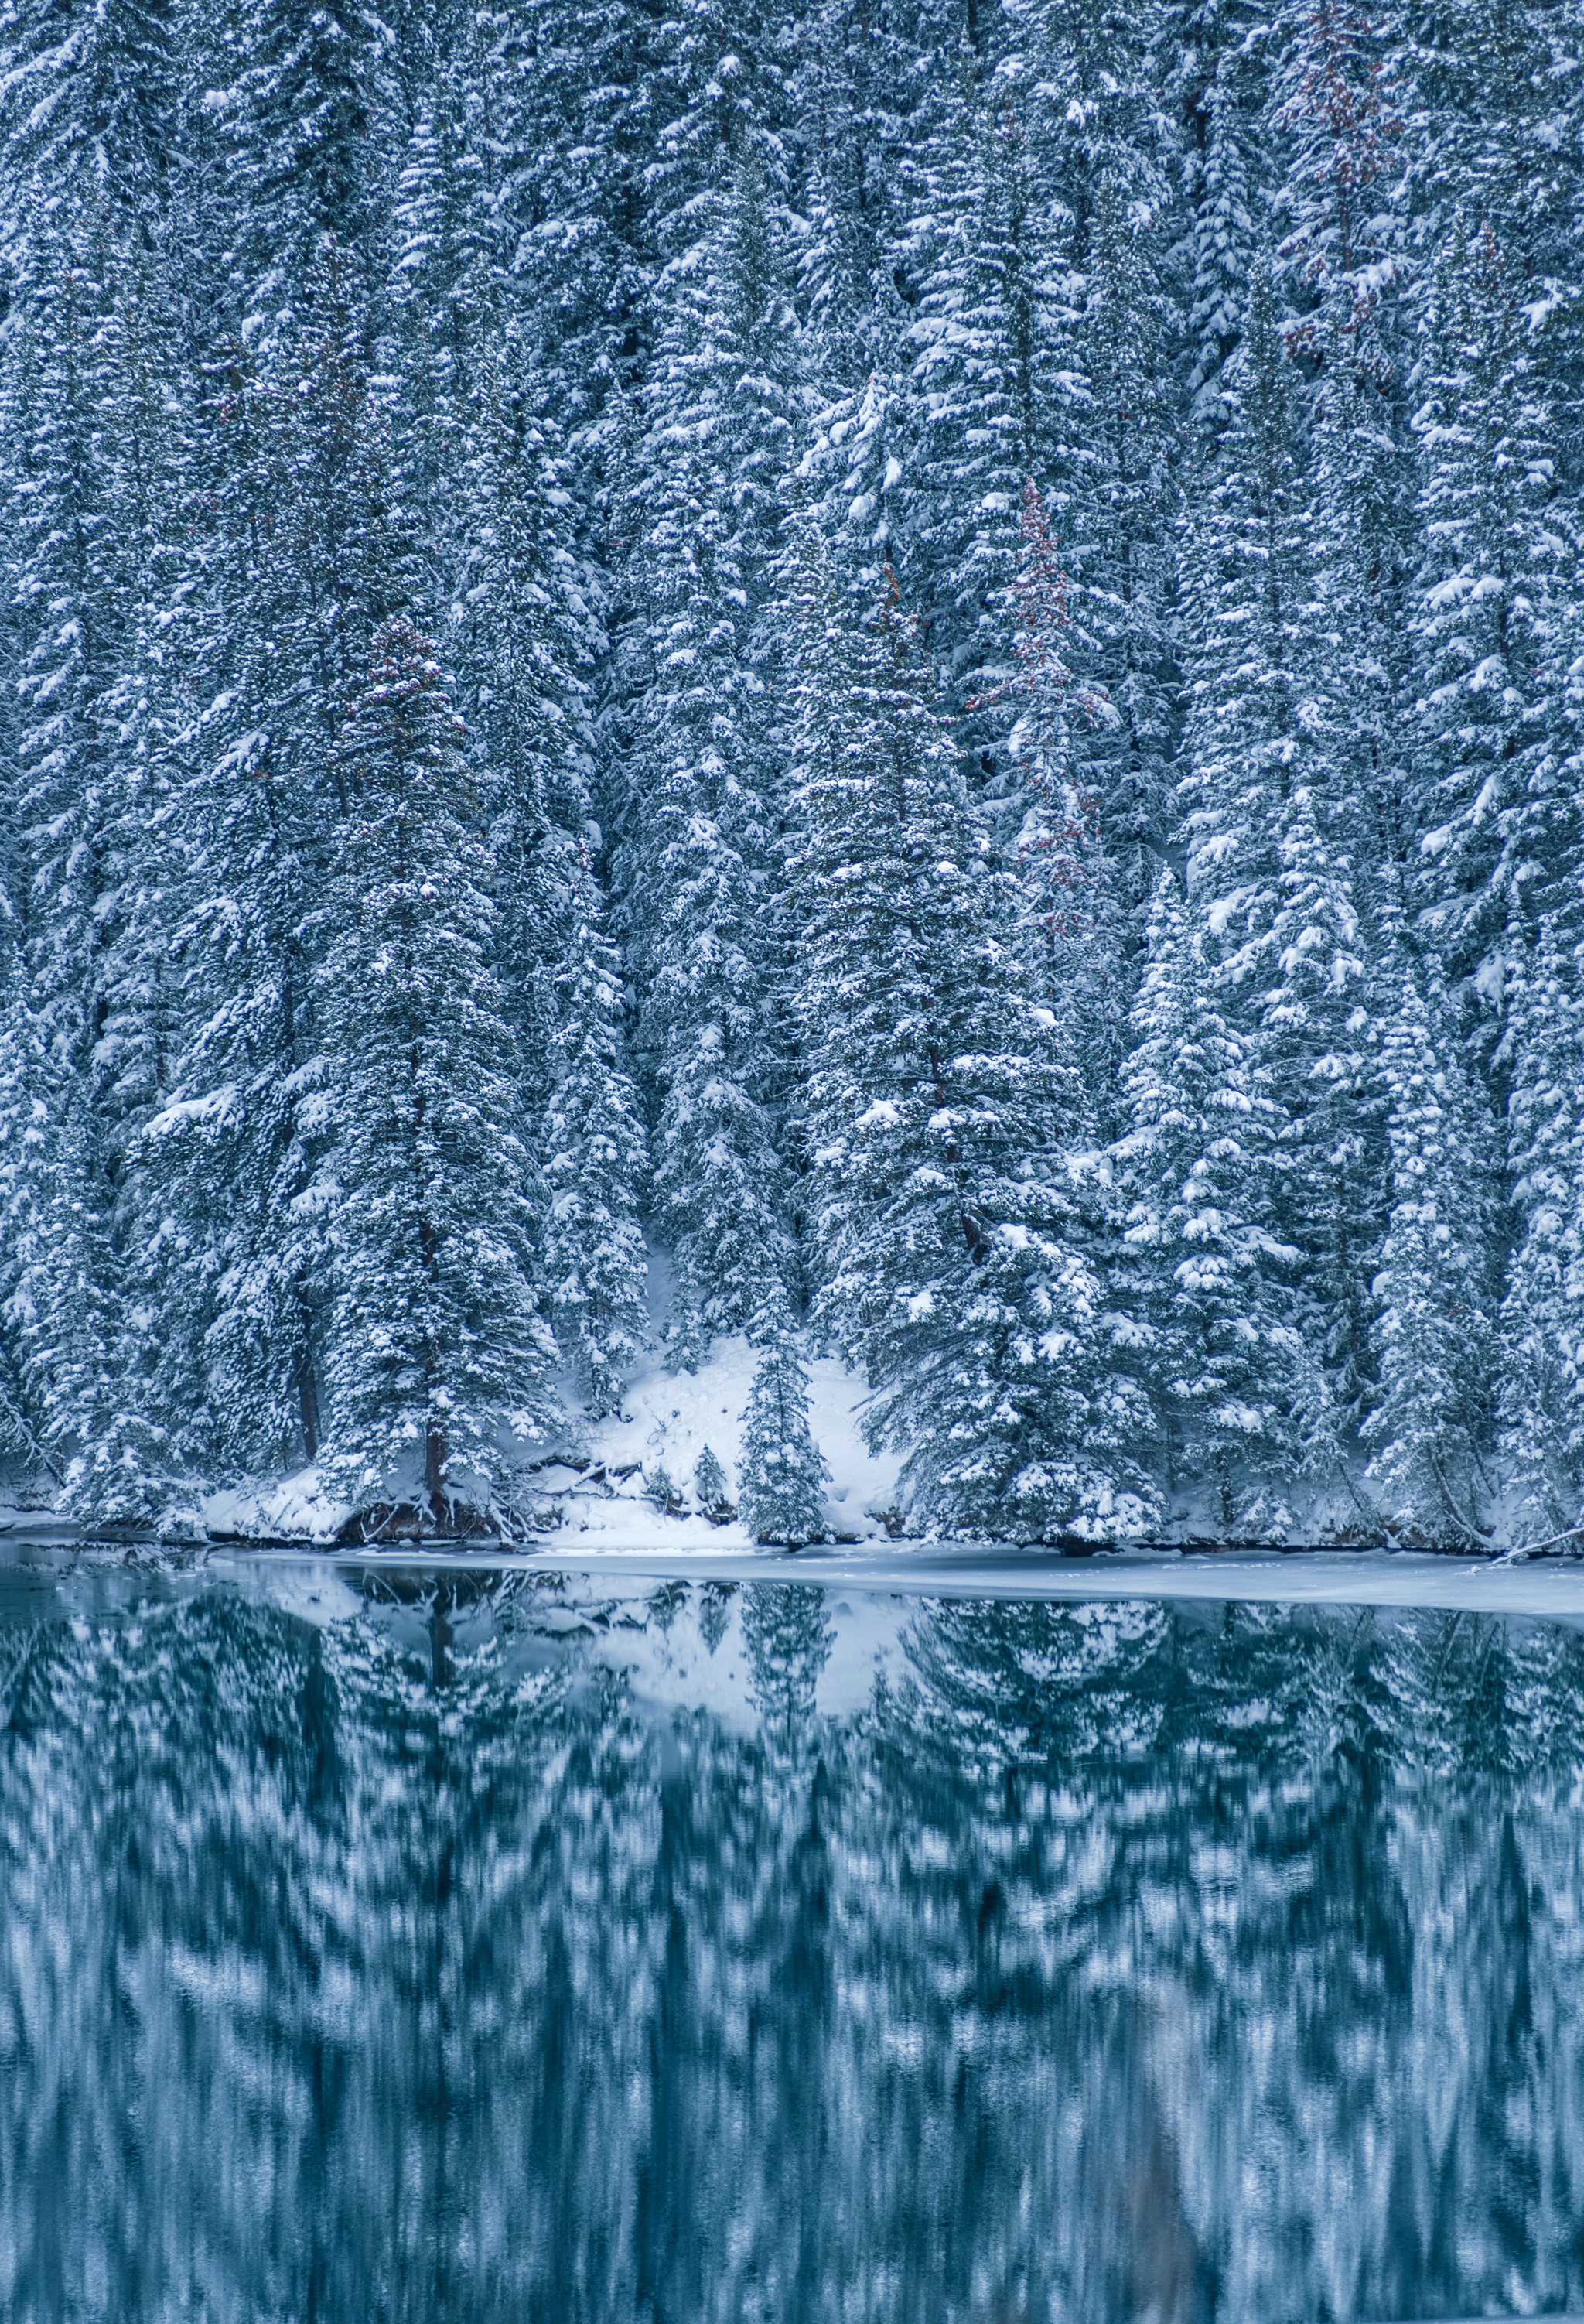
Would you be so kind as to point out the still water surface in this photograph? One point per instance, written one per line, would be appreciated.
(376, 1950)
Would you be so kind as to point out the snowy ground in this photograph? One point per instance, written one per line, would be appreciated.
(596, 1496)
(589, 1513)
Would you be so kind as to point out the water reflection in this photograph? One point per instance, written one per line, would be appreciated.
(744, 1954)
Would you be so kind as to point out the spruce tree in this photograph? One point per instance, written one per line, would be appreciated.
(1432, 1418)
(1493, 624)
(1212, 1274)
(1541, 1339)
(309, 109)
(1116, 504)
(709, 1487)
(698, 946)
(435, 1355)
(953, 1215)
(594, 1264)
(990, 333)
(306, 549)
(780, 1474)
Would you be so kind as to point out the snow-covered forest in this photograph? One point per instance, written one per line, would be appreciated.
(925, 656)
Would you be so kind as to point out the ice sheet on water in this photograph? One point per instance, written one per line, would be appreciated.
(1552, 1589)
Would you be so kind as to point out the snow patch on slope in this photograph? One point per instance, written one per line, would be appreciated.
(665, 1420)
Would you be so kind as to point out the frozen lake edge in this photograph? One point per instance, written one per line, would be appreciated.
(1546, 1587)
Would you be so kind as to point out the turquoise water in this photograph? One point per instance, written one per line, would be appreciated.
(375, 1948)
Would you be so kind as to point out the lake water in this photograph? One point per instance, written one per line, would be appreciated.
(376, 1946)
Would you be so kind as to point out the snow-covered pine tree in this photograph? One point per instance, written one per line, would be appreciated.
(23, 1140)
(1245, 589)
(310, 107)
(89, 107)
(306, 550)
(1196, 1167)
(1336, 125)
(436, 1356)
(446, 288)
(1362, 546)
(1117, 503)
(1493, 623)
(1051, 818)
(524, 629)
(850, 92)
(1276, 835)
(1315, 1049)
(957, 1225)
(1433, 1419)
(573, 102)
(989, 335)
(696, 935)
(709, 1487)
(72, 615)
(594, 1264)
(1541, 1358)
(781, 1474)
(1217, 60)
(87, 394)
(1253, 782)
(1343, 840)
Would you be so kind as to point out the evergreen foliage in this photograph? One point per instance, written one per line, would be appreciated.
(1011, 582)
(435, 1343)
(709, 1482)
(781, 1474)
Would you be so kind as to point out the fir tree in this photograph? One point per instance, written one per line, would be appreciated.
(943, 1128)
(1541, 1322)
(1430, 1425)
(1493, 626)
(1118, 499)
(434, 1354)
(989, 337)
(594, 1260)
(780, 1475)
(1196, 1165)
(701, 819)
(709, 1485)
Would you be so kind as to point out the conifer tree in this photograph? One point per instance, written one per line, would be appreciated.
(594, 1259)
(1217, 58)
(306, 550)
(781, 1474)
(1117, 503)
(1052, 818)
(709, 1484)
(699, 949)
(951, 1212)
(89, 109)
(310, 109)
(1432, 1422)
(22, 1138)
(435, 1356)
(1246, 585)
(1196, 1165)
(1493, 627)
(1541, 1323)
(989, 336)
(1335, 104)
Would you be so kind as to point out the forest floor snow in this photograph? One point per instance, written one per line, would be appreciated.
(597, 1492)
(666, 1421)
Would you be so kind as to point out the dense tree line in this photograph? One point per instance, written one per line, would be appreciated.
(932, 653)
(389, 1964)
